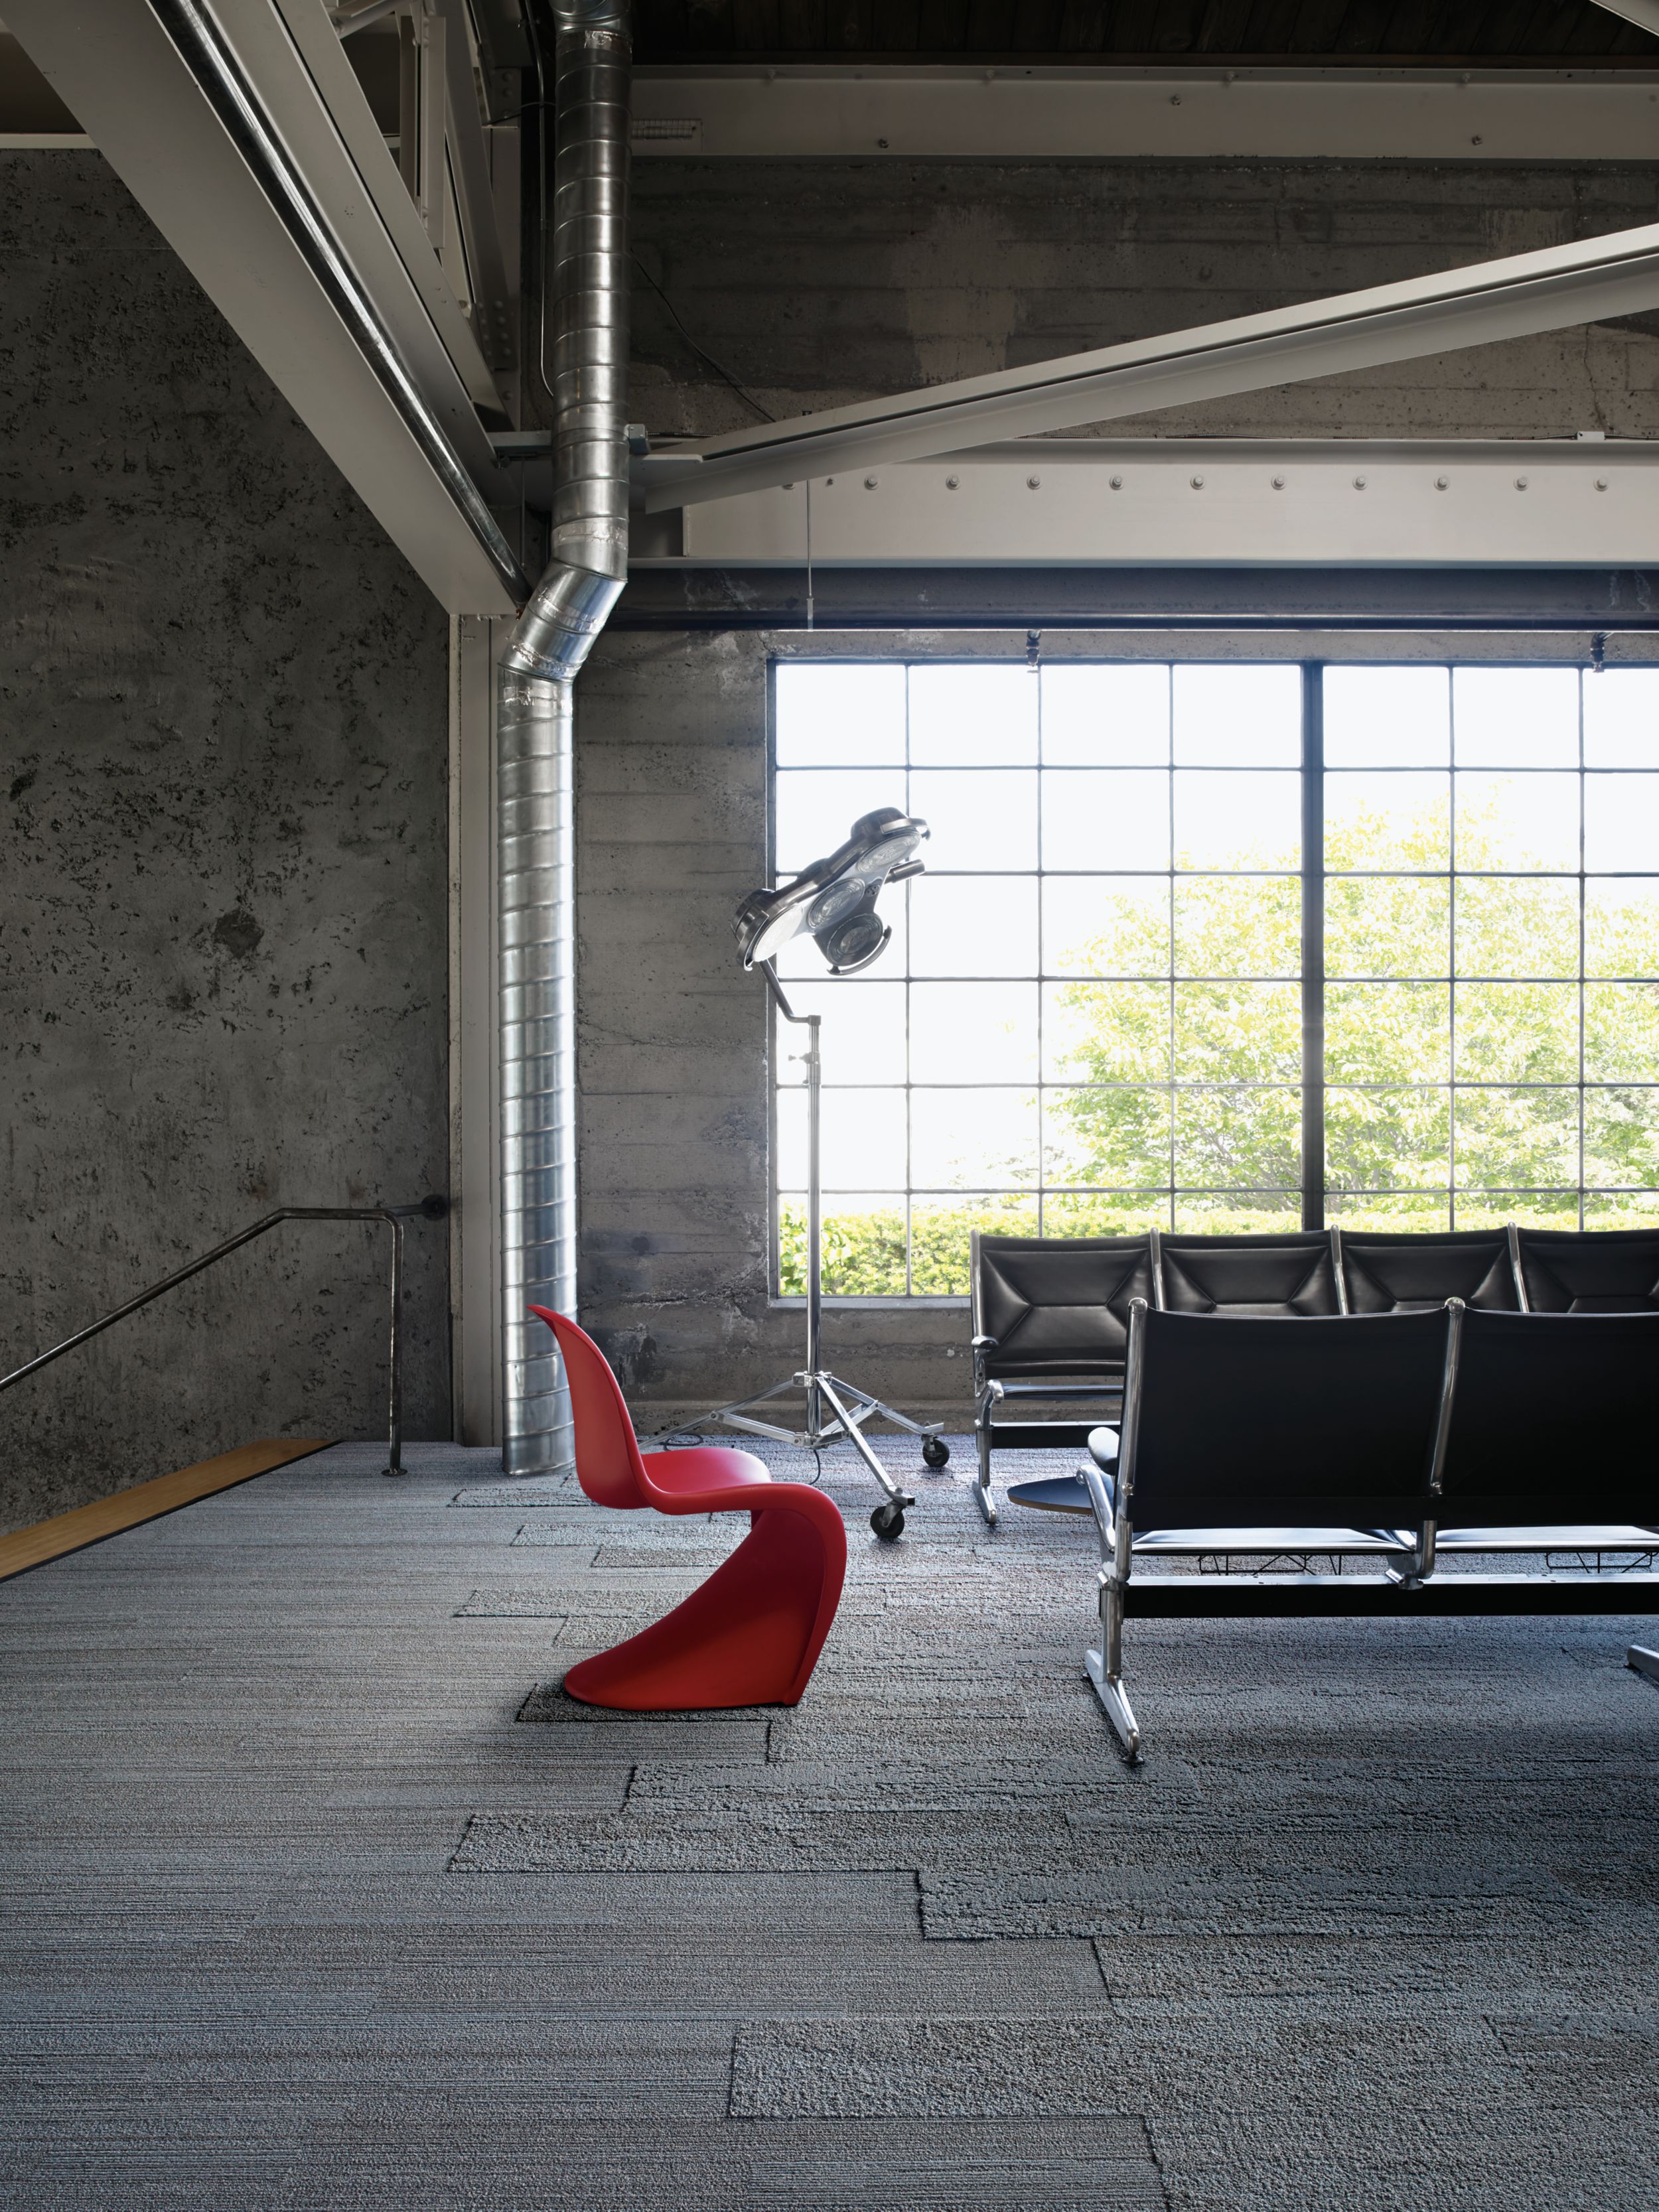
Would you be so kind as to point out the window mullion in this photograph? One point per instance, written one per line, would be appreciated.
(1313, 946)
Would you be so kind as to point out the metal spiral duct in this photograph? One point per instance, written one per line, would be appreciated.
(588, 278)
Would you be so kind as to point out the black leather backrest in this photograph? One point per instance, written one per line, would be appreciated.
(1556, 1419)
(1317, 1422)
(1590, 1270)
(1058, 1305)
(1266, 1276)
(1387, 1274)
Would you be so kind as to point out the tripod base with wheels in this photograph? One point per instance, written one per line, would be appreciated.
(848, 1408)
(835, 1409)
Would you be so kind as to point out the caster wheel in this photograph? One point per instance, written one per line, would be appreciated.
(888, 1522)
(935, 1452)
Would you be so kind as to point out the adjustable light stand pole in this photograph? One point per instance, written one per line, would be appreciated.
(847, 1407)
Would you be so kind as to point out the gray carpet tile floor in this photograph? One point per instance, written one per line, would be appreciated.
(317, 1892)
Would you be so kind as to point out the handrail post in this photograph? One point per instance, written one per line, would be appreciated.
(395, 1355)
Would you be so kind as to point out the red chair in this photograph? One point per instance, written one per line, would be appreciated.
(751, 1634)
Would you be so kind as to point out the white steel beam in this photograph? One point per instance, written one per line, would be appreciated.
(1190, 114)
(1151, 502)
(1516, 297)
(114, 65)
(1644, 13)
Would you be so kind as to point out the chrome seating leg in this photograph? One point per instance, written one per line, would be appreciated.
(985, 1400)
(1104, 1668)
(1644, 1661)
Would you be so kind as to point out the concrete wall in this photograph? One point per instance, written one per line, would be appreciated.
(816, 284)
(223, 896)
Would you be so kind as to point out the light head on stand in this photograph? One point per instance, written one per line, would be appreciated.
(834, 900)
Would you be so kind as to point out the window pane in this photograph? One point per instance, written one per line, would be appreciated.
(984, 820)
(1092, 925)
(1517, 1033)
(1238, 925)
(1516, 1139)
(1388, 717)
(1621, 1209)
(814, 808)
(1621, 823)
(1118, 1138)
(1621, 718)
(1238, 717)
(1095, 715)
(1621, 928)
(1386, 925)
(1515, 717)
(1227, 821)
(1106, 1032)
(1387, 1033)
(862, 1036)
(973, 926)
(834, 713)
(1234, 1139)
(1416, 1214)
(1509, 925)
(1105, 819)
(1517, 821)
(940, 1231)
(1621, 1032)
(1398, 820)
(1238, 1032)
(1388, 1140)
(970, 1140)
(863, 1245)
(972, 1032)
(1528, 1209)
(1621, 1138)
(863, 1140)
(1109, 1213)
(973, 713)
(1237, 1213)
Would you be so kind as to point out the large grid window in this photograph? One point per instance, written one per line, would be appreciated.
(1220, 946)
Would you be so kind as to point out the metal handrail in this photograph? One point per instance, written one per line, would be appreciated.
(429, 1209)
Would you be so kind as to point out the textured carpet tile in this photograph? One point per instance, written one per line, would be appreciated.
(316, 1893)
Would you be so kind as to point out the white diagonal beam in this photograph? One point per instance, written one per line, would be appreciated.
(1644, 13)
(1559, 286)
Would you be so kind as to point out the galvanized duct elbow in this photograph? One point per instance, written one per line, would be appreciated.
(587, 279)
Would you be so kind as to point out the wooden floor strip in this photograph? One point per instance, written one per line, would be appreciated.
(147, 1501)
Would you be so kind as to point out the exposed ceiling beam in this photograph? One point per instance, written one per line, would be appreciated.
(1214, 502)
(1516, 297)
(378, 390)
(1104, 113)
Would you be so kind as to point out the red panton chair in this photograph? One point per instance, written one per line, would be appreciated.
(751, 1634)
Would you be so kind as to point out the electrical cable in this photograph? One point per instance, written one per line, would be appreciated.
(701, 352)
(541, 104)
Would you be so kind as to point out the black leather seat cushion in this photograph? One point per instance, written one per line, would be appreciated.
(1269, 1277)
(1058, 1306)
(1590, 1270)
(1554, 1418)
(1307, 1422)
(1408, 1274)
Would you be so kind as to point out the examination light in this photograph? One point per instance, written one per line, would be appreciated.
(834, 901)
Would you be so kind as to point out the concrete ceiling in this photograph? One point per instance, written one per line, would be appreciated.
(1525, 33)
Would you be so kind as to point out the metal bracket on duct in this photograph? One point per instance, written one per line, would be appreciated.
(587, 281)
